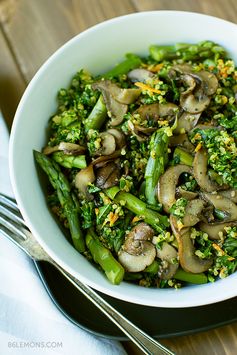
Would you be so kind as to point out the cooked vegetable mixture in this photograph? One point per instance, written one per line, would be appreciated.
(142, 166)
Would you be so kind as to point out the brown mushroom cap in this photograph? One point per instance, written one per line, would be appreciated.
(200, 171)
(136, 263)
(167, 185)
(134, 241)
(167, 253)
(188, 260)
(107, 176)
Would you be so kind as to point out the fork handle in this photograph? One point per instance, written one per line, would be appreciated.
(146, 343)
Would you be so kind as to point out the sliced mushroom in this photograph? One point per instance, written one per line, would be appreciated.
(222, 203)
(103, 159)
(140, 132)
(200, 171)
(188, 195)
(82, 179)
(195, 102)
(116, 110)
(188, 260)
(196, 98)
(181, 140)
(119, 136)
(167, 185)
(215, 230)
(134, 241)
(230, 194)
(136, 263)
(209, 81)
(107, 176)
(192, 212)
(140, 74)
(67, 148)
(168, 254)
(189, 83)
(123, 96)
(108, 144)
(156, 111)
(182, 68)
(186, 122)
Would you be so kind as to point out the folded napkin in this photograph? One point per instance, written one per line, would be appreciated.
(29, 321)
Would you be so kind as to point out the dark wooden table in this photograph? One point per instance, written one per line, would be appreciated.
(31, 30)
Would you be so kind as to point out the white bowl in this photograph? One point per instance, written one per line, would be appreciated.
(98, 49)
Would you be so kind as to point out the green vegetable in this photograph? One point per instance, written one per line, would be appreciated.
(153, 268)
(183, 157)
(133, 204)
(178, 208)
(222, 153)
(132, 62)
(64, 193)
(70, 161)
(97, 116)
(112, 268)
(190, 277)
(187, 52)
(156, 164)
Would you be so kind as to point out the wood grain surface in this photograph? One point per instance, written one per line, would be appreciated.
(31, 30)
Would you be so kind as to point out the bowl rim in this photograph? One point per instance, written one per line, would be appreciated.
(217, 296)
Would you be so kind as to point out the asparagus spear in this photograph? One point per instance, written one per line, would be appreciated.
(67, 201)
(156, 164)
(135, 205)
(97, 116)
(183, 156)
(112, 268)
(132, 62)
(70, 161)
(186, 51)
(182, 275)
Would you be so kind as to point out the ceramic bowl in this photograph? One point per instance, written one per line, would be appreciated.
(98, 49)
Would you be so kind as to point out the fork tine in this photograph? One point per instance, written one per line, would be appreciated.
(12, 215)
(12, 226)
(9, 202)
(9, 205)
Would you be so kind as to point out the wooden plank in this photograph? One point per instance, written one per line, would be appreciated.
(49, 24)
(224, 9)
(12, 84)
(221, 341)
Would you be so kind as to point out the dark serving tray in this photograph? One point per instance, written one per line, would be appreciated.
(158, 322)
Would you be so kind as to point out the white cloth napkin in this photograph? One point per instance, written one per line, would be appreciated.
(29, 321)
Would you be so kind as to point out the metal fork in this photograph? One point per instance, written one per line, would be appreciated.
(14, 228)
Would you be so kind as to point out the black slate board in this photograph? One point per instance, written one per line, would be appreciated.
(157, 322)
